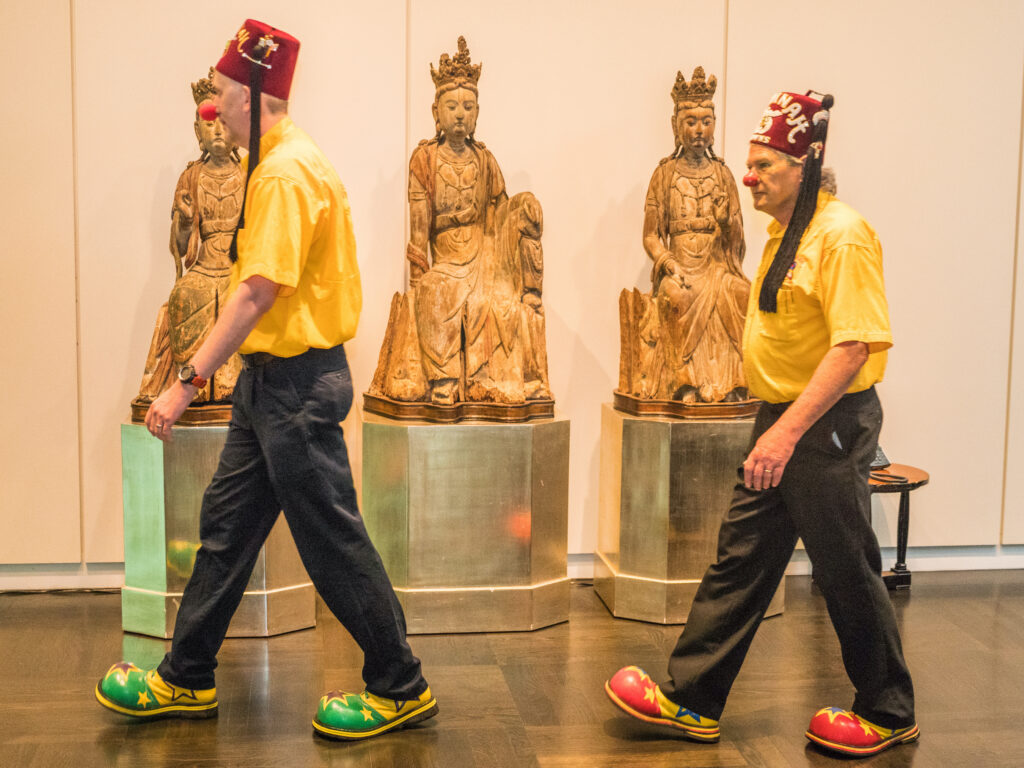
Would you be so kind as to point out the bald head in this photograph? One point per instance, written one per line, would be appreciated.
(232, 100)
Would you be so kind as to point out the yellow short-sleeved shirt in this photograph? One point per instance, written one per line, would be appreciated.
(833, 293)
(298, 233)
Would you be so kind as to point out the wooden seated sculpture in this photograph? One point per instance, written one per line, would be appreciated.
(466, 340)
(206, 205)
(681, 343)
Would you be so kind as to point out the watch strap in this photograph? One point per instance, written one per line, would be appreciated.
(187, 375)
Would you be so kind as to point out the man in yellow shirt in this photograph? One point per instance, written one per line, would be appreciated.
(814, 345)
(295, 300)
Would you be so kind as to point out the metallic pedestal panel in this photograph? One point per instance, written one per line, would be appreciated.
(665, 485)
(163, 487)
(471, 521)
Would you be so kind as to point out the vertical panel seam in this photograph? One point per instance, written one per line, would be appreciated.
(1013, 308)
(78, 280)
(724, 80)
(407, 149)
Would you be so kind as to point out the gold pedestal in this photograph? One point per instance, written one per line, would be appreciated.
(163, 489)
(665, 485)
(471, 521)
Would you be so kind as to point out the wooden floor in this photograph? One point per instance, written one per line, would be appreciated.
(519, 699)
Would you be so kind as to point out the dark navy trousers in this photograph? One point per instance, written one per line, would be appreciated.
(285, 450)
(824, 499)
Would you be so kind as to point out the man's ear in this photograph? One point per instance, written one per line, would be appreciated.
(246, 100)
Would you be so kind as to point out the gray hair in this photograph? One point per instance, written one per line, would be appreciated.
(828, 175)
(790, 160)
(828, 180)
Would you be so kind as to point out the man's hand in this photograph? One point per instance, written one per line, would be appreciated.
(250, 301)
(767, 461)
(764, 466)
(167, 409)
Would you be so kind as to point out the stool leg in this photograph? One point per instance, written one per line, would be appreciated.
(899, 578)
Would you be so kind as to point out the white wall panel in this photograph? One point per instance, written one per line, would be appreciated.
(39, 492)
(925, 142)
(135, 110)
(576, 107)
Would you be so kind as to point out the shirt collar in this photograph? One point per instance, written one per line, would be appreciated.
(273, 137)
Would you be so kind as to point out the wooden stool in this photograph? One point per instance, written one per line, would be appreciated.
(901, 479)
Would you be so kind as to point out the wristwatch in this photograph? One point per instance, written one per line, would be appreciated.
(187, 375)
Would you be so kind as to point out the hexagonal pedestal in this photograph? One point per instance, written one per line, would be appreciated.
(665, 484)
(471, 521)
(163, 487)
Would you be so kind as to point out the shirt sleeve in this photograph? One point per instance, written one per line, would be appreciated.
(853, 295)
(279, 224)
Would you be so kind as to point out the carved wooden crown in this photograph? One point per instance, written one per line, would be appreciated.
(456, 69)
(203, 90)
(697, 90)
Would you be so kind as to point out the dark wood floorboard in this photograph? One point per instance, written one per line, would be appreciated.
(519, 699)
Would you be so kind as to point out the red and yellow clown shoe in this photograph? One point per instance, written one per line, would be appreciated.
(840, 730)
(362, 715)
(140, 693)
(634, 692)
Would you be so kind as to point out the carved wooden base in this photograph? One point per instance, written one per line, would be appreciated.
(451, 414)
(206, 414)
(676, 409)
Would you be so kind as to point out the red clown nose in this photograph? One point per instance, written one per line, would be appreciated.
(208, 112)
(750, 180)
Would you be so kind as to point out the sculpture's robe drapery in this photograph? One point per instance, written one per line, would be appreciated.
(200, 292)
(682, 341)
(475, 316)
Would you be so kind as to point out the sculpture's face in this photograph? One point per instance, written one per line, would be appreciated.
(213, 138)
(695, 128)
(456, 111)
(774, 182)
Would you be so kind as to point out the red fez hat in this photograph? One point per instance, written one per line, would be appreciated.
(795, 125)
(270, 48)
(788, 123)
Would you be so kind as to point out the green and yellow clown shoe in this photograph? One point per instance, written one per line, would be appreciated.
(141, 693)
(360, 716)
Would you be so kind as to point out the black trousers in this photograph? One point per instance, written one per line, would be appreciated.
(285, 451)
(824, 499)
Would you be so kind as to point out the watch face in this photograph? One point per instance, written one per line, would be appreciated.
(187, 372)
